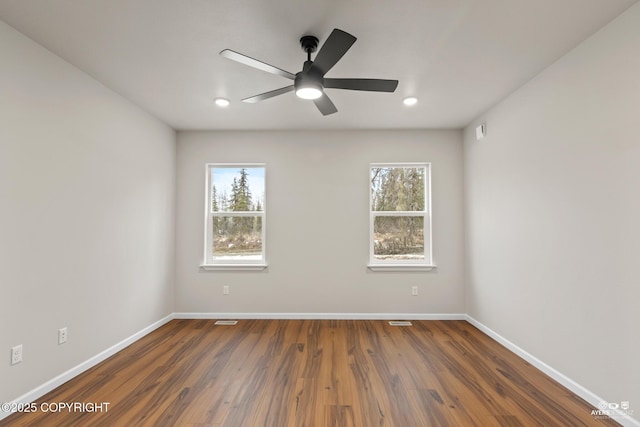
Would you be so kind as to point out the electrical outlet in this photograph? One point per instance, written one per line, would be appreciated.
(414, 290)
(225, 290)
(62, 336)
(16, 354)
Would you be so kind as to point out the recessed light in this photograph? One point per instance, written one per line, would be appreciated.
(222, 102)
(411, 100)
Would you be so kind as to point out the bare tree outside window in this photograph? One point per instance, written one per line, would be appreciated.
(399, 213)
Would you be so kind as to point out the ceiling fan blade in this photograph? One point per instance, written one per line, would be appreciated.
(267, 95)
(336, 45)
(374, 85)
(325, 105)
(251, 62)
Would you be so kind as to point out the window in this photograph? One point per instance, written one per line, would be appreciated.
(400, 216)
(235, 209)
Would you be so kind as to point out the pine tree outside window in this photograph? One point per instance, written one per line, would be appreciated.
(235, 216)
(400, 216)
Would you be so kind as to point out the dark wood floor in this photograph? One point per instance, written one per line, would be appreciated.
(315, 373)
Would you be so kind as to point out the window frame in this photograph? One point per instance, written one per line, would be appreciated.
(211, 264)
(425, 264)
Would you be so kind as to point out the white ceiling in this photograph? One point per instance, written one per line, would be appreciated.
(459, 57)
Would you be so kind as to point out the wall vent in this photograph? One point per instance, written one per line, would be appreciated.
(399, 323)
(226, 322)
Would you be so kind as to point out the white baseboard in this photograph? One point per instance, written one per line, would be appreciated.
(329, 316)
(45, 388)
(567, 382)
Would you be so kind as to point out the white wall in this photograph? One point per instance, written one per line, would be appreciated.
(552, 214)
(317, 223)
(87, 183)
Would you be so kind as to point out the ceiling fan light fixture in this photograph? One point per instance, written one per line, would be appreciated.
(309, 91)
(308, 85)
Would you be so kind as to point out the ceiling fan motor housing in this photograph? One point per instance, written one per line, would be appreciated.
(309, 76)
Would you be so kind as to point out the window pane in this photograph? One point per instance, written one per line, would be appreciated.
(397, 189)
(237, 189)
(398, 238)
(237, 238)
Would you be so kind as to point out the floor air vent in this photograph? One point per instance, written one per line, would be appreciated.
(226, 322)
(400, 323)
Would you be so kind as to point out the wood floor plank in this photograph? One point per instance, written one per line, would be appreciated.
(315, 373)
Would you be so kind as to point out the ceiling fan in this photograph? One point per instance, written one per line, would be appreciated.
(310, 82)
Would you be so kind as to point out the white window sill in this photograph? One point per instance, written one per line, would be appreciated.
(401, 267)
(236, 267)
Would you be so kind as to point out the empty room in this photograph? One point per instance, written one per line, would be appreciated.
(333, 213)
